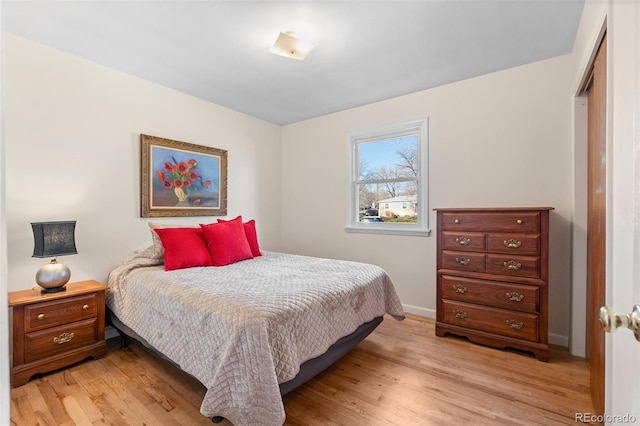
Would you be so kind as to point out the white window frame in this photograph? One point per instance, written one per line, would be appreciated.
(421, 226)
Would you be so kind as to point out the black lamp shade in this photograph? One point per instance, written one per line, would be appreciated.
(53, 239)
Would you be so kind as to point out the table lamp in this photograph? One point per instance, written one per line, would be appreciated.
(52, 239)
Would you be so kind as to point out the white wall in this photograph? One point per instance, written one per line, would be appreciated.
(503, 139)
(72, 153)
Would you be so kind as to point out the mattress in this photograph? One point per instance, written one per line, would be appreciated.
(244, 328)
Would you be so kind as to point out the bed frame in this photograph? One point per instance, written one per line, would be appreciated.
(308, 369)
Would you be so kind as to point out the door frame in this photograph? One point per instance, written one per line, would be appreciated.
(583, 322)
(579, 301)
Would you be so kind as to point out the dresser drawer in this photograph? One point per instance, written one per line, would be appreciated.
(518, 244)
(500, 295)
(472, 262)
(53, 341)
(463, 241)
(48, 314)
(525, 222)
(517, 266)
(499, 321)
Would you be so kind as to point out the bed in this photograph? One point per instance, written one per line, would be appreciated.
(253, 330)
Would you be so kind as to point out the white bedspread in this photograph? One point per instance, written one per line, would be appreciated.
(243, 328)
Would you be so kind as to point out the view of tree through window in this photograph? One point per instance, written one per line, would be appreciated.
(389, 177)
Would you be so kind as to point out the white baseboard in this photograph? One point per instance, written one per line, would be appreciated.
(417, 310)
(559, 340)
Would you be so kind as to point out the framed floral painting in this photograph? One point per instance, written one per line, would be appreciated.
(181, 179)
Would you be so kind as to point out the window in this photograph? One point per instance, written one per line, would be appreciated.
(388, 176)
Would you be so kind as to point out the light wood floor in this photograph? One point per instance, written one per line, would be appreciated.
(401, 374)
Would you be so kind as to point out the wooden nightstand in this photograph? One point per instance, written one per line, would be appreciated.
(51, 331)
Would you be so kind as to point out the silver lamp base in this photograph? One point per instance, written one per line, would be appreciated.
(53, 276)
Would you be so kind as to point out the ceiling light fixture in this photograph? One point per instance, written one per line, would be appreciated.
(292, 45)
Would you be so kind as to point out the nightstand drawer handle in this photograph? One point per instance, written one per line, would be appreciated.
(456, 221)
(459, 314)
(512, 265)
(516, 325)
(515, 297)
(64, 338)
(519, 221)
(463, 260)
(40, 316)
(85, 307)
(463, 241)
(460, 289)
(512, 243)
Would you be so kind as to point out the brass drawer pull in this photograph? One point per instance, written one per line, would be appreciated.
(512, 243)
(459, 314)
(515, 297)
(463, 241)
(40, 316)
(512, 265)
(85, 307)
(64, 338)
(516, 325)
(460, 289)
(519, 221)
(463, 260)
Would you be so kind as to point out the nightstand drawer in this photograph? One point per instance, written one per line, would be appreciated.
(50, 314)
(53, 341)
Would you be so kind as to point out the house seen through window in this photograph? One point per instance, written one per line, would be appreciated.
(388, 185)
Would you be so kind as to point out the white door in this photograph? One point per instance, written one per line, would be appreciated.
(622, 387)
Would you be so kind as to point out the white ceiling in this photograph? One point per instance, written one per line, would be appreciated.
(366, 51)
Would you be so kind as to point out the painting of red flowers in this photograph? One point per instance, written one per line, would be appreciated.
(181, 178)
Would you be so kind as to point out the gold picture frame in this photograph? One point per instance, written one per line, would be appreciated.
(181, 178)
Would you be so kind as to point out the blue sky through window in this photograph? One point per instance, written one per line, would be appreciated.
(376, 154)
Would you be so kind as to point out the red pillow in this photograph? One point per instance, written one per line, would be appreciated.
(184, 248)
(227, 242)
(250, 232)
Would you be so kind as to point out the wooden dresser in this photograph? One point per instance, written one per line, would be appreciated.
(492, 276)
(54, 330)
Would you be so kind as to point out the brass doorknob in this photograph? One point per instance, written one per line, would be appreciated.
(610, 321)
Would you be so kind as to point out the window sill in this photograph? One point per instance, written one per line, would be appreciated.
(377, 229)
